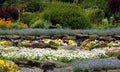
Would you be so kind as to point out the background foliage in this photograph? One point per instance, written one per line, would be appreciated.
(74, 14)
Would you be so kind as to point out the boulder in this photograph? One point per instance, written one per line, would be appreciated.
(82, 37)
(93, 37)
(43, 66)
(105, 38)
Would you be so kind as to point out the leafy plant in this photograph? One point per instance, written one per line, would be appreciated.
(67, 15)
(38, 24)
(95, 15)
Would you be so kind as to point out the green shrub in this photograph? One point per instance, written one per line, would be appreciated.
(40, 24)
(27, 17)
(16, 26)
(35, 5)
(71, 1)
(37, 24)
(95, 15)
(101, 4)
(67, 15)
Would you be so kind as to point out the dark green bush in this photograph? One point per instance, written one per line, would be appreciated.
(35, 5)
(95, 15)
(102, 4)
(67, 15)
(71, 1)
(27, 17)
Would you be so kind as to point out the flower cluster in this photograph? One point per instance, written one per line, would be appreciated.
(7, 66)
(5, 23)
(8, 23)
(113, 52)
(62, 55)
(114, 49)
(60, 41)
(21, 42)
(88, 44)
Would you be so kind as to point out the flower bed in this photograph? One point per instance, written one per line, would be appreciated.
(6, 66)
(15, 53)
(55, 43)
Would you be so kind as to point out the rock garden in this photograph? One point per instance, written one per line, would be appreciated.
(59, 35)
(60, 53)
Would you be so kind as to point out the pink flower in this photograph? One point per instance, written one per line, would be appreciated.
(114, 49)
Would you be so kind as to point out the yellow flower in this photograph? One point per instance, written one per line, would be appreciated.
(46, 40)
(25, 42)
(110, 44)
(7, 64)
(7, 67)
(101, 42)
(71, 42)
(4, 43)
(1, 62)
(93, 42)
(88, 44)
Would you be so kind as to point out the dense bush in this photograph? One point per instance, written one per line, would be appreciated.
(95, 15)
(34, 6)
(71, 1)
(26, 5)
(27, 17)
(93, 4)
(102, 4)
(67, 15)
(8, 12)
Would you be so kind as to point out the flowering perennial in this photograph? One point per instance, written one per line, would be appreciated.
(15, 53)
(7, 66)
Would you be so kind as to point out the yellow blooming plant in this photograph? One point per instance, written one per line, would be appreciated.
(23, 25)
(71, 42)
(8, 23)
(4, 43)
(57, 41)
(8, 67)
(5, 23)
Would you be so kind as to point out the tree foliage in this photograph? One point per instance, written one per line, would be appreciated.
(9, 12)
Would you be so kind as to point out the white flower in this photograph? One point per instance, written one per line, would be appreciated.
(49, 54)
